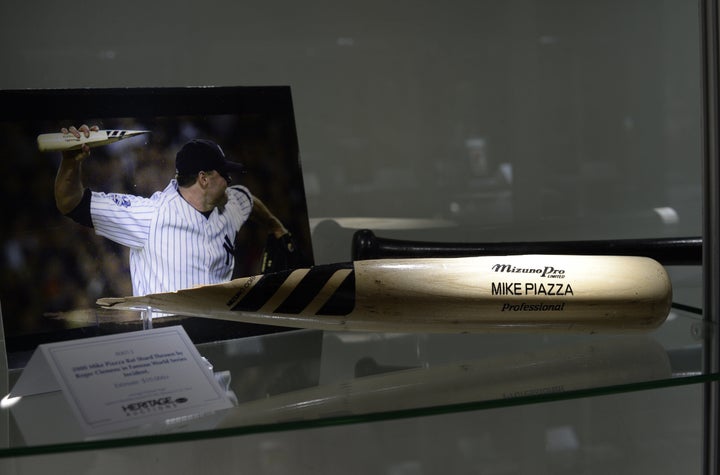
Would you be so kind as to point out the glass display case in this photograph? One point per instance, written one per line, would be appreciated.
(303, 379)
(488, 122)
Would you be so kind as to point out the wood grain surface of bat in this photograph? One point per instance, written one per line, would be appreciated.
(59, 142)
(521, 293)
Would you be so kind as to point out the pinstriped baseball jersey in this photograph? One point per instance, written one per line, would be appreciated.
(172, 245)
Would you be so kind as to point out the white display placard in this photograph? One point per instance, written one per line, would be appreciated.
(116, 382)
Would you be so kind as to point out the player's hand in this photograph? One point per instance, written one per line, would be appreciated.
(83, 130)
(281, 253)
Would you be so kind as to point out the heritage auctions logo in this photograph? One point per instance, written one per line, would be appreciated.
(547, 271)
(152, 405)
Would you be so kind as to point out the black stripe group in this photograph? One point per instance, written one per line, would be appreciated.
(340, 302)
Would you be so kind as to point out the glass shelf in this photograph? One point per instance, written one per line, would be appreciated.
(299, 379)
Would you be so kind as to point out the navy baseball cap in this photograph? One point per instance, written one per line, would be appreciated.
(204, 155)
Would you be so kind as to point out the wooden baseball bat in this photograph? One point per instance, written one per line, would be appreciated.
(59, 142)
(525, 293)
(667, 251)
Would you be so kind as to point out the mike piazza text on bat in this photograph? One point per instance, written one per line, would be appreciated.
(530, 288)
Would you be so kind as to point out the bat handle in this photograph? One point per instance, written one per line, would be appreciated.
(667, 251)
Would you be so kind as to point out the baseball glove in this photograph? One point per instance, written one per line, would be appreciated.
(280, 254)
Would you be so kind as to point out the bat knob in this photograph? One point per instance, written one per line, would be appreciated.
(365, 245)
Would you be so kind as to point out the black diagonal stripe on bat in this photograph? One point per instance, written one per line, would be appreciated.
(261, 292)
(309, 287)
(342, 301)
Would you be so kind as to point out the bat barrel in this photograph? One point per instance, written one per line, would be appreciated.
(667, 251)
(511, 293)
(59, 142)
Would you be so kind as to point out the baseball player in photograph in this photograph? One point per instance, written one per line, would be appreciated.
(180, 237)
